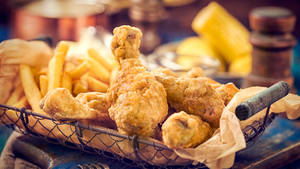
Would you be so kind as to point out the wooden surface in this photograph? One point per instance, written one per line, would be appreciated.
(277, 147)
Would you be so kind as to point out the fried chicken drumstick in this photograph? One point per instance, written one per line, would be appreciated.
(138, 100)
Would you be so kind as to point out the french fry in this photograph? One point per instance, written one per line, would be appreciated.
(98, 70)
(43, 71)
(80, 86)
(31, 89)
(15, 95)
(67, 82)
(71, 65)
(12, 116)
(37, 72)
(43, 84)
(21, 103)
(55, 67)
(102, 60)
(79, 71)
(95, 85)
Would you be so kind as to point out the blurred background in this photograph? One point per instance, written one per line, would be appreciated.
(163, 22)
(180, 13)
(174, 35)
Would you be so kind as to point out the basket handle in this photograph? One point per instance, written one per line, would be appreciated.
(262, 100)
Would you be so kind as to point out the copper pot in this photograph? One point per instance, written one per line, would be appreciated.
(59, 19)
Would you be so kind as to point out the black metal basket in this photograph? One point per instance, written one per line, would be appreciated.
(131, 150)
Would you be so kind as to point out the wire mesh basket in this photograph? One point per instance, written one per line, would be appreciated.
(131, 150)
(103, 141)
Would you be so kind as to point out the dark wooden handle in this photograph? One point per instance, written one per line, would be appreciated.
(262, 100)
(46, 39)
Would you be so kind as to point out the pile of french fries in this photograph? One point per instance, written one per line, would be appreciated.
(91, 72)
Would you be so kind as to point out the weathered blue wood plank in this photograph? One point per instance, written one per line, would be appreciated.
(278, 146)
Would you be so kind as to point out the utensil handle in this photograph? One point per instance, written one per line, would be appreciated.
(262, 100)
(46, 39)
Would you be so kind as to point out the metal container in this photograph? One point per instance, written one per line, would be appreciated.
(60, 19)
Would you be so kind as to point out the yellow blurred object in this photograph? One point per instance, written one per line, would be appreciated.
(192, 49)
(223, 31)
(241, 66)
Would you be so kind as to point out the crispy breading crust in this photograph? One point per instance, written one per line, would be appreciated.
(182, 130)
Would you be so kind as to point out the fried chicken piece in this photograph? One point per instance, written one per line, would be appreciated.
(61, 105)
(165, 71)
(195, 72)
(198, 72)
(94, 100)
(138, 100)
(182, 130)
(227, 92)
(194, 96)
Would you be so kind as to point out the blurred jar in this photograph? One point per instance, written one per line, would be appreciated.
(296, 68)
(60, 19)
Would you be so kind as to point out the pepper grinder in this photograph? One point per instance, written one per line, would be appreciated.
(272, 46)
(147, 15)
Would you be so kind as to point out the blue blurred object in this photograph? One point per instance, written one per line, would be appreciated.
(4, 33)
(296, 67)
(4, 131)
(4, 134)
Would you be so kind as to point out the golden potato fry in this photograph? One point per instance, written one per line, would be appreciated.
(21, 103)
(15, 95)
(31, 89)
(79, 71)
(71, 64)
(98, 70)
(11, 116)
(37, 72)
(95, 85)
(43, 71)
(67, 82)
(102, 60)
(43, 85)
(55, 67)
(80, 86)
